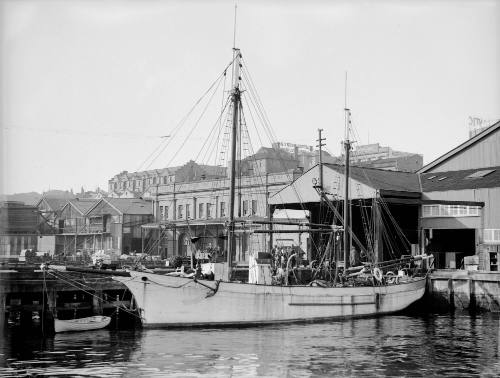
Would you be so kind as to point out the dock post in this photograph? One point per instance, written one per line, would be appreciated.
(117, 319)
(97, 302)
(472, 294)
(50, 311)
(52, 301)
(451, 293)
(2, 310)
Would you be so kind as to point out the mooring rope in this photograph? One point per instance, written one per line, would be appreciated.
(92, 294)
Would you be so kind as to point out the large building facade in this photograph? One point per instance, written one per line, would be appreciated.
(376, 156)
(140, 184)
(199, 211)
(464, 185)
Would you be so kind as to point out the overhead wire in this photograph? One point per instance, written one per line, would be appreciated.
(262, 115)
(384, 206)
(183, 120)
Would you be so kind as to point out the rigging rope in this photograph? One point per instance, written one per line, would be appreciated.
(68, 281)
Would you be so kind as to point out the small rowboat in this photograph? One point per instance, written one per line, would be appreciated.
(81, 324)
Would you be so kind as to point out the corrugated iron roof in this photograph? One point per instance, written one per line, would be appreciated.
(55, 204)
(459, 180)
(382, 179)
(83, 204)
(133, 206)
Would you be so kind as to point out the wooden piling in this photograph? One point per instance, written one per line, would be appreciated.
(451, 293)
(97, 302)
(472, 294)
(463, 289)
(3, 298)
(27, 292)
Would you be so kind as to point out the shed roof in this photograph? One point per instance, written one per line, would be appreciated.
(83, 204)
(382, 179)
(133, 206)
(55, 204)
(364, 183)
(458, 180)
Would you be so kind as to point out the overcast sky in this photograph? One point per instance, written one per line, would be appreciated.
(88, 87)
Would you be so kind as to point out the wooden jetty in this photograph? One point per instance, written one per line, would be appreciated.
(27, 293)
(464, 289)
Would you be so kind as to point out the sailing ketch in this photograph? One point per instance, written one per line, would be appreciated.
(165, 300)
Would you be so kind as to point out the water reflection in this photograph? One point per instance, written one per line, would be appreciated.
(449, 345)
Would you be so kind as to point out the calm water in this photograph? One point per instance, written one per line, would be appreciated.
(446, 345)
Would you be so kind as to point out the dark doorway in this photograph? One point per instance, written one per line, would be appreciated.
(450, 246)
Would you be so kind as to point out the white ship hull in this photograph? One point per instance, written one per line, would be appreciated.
(165, 301)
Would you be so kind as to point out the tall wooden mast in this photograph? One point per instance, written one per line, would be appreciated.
(347, 210)
(347, 228)
(235, 98)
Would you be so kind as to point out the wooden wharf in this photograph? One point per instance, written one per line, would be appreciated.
(463, 290)
(29, 296)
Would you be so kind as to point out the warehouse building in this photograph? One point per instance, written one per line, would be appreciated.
(462, 190)
(450, 207)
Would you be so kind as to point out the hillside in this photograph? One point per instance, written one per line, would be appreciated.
(31, 198)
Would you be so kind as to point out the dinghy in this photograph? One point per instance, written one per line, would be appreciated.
(81, 324)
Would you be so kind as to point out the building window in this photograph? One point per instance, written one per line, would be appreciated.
(166, 212)
(444, 211)
(434, 211)
(188, 211)
(254, 207)
(492, 235)
(473, 211)
(209, 210)
(201, 210)
(180, 212)
(162, 214)
(245, 207)
(222, 209)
